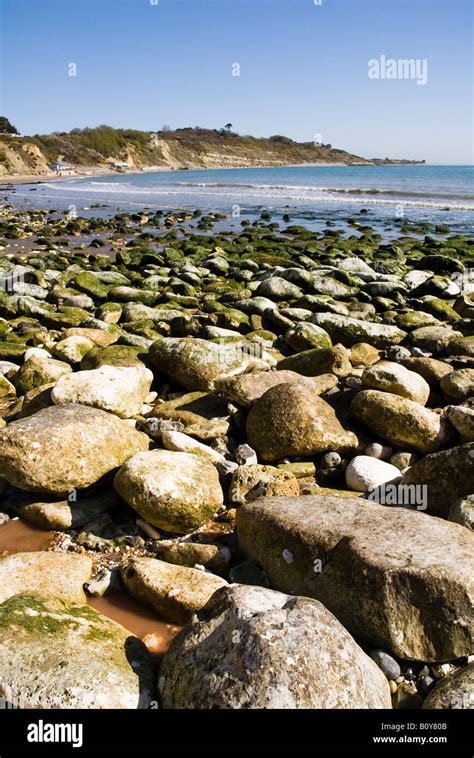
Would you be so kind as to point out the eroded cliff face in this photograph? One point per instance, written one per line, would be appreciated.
(20, 157)
(33, 156)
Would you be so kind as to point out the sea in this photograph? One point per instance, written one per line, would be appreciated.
(309, 195)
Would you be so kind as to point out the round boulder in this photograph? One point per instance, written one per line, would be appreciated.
(174, 491)
(289, 420)
(66, 447)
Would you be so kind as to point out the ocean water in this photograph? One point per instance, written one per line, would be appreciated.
(439, 194)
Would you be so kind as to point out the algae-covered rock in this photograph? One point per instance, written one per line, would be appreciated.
(306, 336)
(37, 371)
(197, 363)
(47, 644)
(176, 492)
(400, 421)
(113, 355)
(72, 349)
(60, 575)
(289, 420)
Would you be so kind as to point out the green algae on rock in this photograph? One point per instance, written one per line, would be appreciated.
(46, 645)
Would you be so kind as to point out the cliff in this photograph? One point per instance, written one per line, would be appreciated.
(186, 148)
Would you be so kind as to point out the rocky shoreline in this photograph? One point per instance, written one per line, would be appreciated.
(265, 435)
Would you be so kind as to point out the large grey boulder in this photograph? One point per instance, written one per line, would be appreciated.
(255, 648)
(67, 447)
(375, 567)
(55, 654)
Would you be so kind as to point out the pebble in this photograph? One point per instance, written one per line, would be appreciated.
(245, 455)
(331, 460)
(365, 473)
(387, 664)
(376, 450)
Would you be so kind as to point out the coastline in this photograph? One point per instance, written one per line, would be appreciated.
(53, 176)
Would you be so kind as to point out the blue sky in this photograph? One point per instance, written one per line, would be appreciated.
(303, 69)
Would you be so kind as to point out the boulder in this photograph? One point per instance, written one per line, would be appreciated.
(202, 414)
(447, 476)
(458, 384)
(389, 376)
(430, 369)
(112, 355)
(213, 557)
(58, 655)
(65, 514)
(72, 349)
(462, 512)
(373, 566)
(434, 339)
(245, 389)
(276, 288)
(289, 420)
(462, 418)
(120, 390)
(61, 575)
(349, 331)
(454, 691)
(65, 447)
(305, 336)
(332, 360)
(183, 443)
(363, 354)
(176, 492)
(37, 371)
(253, 481)
(255, 648)
(401, 422)
(197, 363)
(174, 592)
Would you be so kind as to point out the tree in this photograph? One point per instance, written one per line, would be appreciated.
(165, 128)
(228, 127)
(6, 127)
